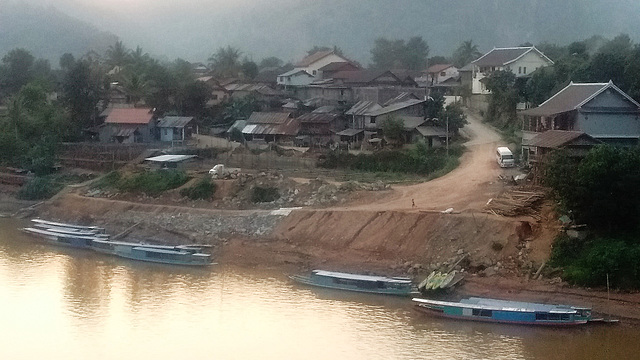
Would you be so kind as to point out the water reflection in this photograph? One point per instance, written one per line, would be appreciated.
(61, 303)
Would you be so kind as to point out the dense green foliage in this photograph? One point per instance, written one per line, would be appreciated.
(152, 183)
(587, 263)
(39, 188)
(262, 194)
(419, 160)
(202, 190)
(602, 191)
(398, 54)
(393, 129)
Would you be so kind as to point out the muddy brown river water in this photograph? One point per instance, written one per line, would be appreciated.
(60, 303)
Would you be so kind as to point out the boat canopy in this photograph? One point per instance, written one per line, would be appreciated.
(501, 305)
(372, 278)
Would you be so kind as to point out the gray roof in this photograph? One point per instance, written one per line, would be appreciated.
(403, 96)
(238, 124)
(268, 117)
(349, 132)
(294, 72)
(504, 56)
(411, 122)
(395, 107)
(170, 158)
(428, 131)
(324, 109)
(558, 138)
(362, 107)
(174, 121)
(317, 118)
(573, 97)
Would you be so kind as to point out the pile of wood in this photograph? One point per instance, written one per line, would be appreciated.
(515, 203)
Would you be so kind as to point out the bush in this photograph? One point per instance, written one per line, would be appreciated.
(202, 190)
(152, 183)
(39, 188)
(264, 194)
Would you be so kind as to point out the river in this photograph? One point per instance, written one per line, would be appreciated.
(58, 303)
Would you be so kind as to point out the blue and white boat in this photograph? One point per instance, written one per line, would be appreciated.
(362, 283)
(68, 226)
(176, 255)
(63, 239)
(503, 311)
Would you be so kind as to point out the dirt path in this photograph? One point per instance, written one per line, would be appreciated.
(466, 188)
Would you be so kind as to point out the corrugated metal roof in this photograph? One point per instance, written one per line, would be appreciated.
(431, 131)
(124, 131)
(317, 118)
(340, 65)
(174, 121)
(362, 107)
(170, 158)
(238, 124)
(572, 97)
(324, 109)
(365, 76)
(289, 127)
(268, 117)
(558, 138)
(350, 132)
(504, 56)
(313, 58)
(395, 107)
(295, 72)
(129, 116)
(403, 96)
(411, 122)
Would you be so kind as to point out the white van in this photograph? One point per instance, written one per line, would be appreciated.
(504, 157)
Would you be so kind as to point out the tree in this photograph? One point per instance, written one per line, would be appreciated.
(66, 61)
(194, 98)
(16, 70)
(270, 62)
(434, 60)
(393, 130)
(249, 68)
(82, 88)
(226, 61)
(454, 115)
(117, 55)
(434, 106)
(416, 52)
(135, 85)
(465, 53)
(503, 99)
(387, 54)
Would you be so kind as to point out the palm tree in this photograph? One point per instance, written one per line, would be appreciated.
(226, 61)
(117, 55)
(139, 58)
(135, 86)
(465, 53)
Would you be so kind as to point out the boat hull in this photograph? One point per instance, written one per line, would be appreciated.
(153, 253)
(306, 280)
(438, 313)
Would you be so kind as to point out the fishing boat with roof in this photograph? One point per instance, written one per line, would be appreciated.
(504, 311)
(401, 286)
(191, 255)
(68, 226)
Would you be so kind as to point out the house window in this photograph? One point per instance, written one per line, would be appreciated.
(373, 120)
(443, 73)
(524, 69)
(342, 92)
(214, 96)
(519, 69)
(281, 78)
(314, 72)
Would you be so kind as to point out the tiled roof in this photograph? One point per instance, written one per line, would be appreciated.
(129, 116)
(558, 138)
(572, 97)
(504, 56)
(339, 65)
(313, 58)
(174, 121)
(268, 117)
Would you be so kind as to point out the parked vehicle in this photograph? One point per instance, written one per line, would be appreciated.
(504, 157)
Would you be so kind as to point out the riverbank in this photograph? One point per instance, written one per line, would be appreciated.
(386, 242)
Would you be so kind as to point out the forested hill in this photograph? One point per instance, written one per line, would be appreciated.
(47, 33)
(194, 29)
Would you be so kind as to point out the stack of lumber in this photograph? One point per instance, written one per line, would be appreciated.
(515, 203)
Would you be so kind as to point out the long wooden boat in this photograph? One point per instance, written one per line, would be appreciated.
(68, 226)
(503, 311)
(361, 283)
(60, 239)
(175, 255)
(70, 231)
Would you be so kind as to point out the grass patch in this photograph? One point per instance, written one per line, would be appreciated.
(202, 190)
(262, 194)
(152, 183)
(587, 262)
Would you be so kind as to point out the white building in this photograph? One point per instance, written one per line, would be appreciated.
(310, 65)
(522, 61)
(295, 77)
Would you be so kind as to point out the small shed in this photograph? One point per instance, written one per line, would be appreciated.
(176, 128)
(170, 161)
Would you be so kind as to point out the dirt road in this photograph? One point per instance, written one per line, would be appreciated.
(466, 188)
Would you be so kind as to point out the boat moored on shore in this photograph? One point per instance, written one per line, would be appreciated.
(503, 311)
(191, 255)
(354, 282)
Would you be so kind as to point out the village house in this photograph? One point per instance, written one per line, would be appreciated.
(441, 72)
(601, 110)
(295, 77)
(219, 93)
(176, 128)
(277, 127)
(329, 70)
(129, 125)
(521, 61)
(313, 63)
(318, 128)
(408, 108)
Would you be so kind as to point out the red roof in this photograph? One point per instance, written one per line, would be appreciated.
(313, 58)
(129, 116)
(438, 68)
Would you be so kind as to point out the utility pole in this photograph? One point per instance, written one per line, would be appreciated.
(447, 121)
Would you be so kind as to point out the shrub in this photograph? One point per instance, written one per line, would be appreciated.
(264, 194)
(39, 188)
(202, 190)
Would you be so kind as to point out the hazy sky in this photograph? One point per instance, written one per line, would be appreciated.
(194, 29)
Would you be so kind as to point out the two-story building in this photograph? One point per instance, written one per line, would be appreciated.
(521, 61)
(310, 67)
(600, 110)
